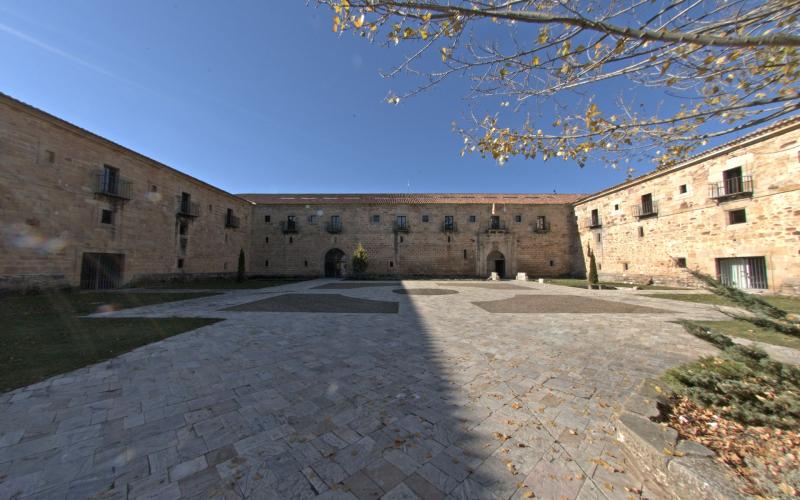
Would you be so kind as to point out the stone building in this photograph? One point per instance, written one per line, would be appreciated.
(414, 234)
(79, 210)
(731, 212)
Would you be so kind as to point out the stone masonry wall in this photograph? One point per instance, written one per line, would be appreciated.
(696, 227)
(426, 250)
(50, 214)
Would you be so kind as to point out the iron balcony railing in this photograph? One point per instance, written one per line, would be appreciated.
(646, 210)
(401, 226)
(188, 209)
(497, 226)
(334, 227)
(112, 185)
(731, 187)
(595, 222)
(231, 221)
(288, 226)
(541, 227)
(449, 227)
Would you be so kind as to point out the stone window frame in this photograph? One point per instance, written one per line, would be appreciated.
(729, 217)
(375, 219)
(472, 219)
(111, 219)
(426, 218)
(518, 219)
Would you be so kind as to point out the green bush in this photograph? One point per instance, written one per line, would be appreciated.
(360, 260)
(240, 273)
(742, 383)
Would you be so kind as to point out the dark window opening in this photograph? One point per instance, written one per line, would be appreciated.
(737, 216)
(599, 266)
(312, 219)
(465, 253)
(641, 232)
(598, 237)
(291, 239)
(266, 240)
(183, 228)
(376, 219)
(517, 218)
(51, 156)
(305, 263)
(425, 218)
(391, 264)
(401, 239)
(180, 263)
(595, 220)
(682, 189)
(266, 263)
(267, 219)
(552, 263)
(624, 266)
(472, 218)
(107, 216)
(616, 206)
(680, 262)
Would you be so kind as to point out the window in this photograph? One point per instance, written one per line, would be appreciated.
(267, 219)
(106, 216)
(732, 179)
(312, 219)
(401, 222)
(153, 188)
(465, 254)
(552, 263)
(682, 189)
(616, 207)
(449, 224)
(186, 202)
(305, 263)
(391, 264)
(180, 263)
(266, 240)
(647, 207)
(640, 230)
(737, 216)
(541, 223)
(494, 222)
(595, 221)
(472, 219)
(183, 228)
(425, 218)
(266, 263)
(599, 266)
(598, 237)
(376, 219)
(291, 240)
(624, 266)
(51, 156)
(517, 218)
(110, 180)
(680, 262)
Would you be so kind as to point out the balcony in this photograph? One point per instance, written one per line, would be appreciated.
(646, 210)
(449, 227)
(595, 223)
(231, 221)
(401, 227)
(112, 186)
(731, 187)
(541, 228)
(289, 226)
(497, 226)
(188, 209)
(334, 227)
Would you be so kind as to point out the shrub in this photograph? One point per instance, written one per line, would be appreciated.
(360, 260)
(592, 268)
(240, 274)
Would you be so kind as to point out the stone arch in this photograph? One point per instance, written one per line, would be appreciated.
(496, 262)
(335, 263)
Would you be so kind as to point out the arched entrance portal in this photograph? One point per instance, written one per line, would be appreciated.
(496, 262)
(334, 263)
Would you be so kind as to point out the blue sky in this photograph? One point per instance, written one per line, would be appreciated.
(253, 96)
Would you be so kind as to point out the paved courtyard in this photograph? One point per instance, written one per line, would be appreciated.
(348, 390)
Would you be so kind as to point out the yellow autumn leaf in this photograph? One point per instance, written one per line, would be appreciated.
(358, 21)
(445, 54)
(535, 61)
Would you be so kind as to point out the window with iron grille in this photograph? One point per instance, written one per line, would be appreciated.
(376, 219)
(518, 218)
(472, 219)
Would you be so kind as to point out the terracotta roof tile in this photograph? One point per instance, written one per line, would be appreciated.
(411, 198)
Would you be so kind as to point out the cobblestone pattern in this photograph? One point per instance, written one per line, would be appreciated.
(442, 400)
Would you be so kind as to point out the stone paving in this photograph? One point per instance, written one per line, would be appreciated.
(440, 400)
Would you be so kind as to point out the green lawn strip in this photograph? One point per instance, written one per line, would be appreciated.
(582, 283)
(789, 304)
(220, 284)
(43, 334)
(745, 330)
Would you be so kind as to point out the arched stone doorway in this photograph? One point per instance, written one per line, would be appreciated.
(496, 262)
(334, 263)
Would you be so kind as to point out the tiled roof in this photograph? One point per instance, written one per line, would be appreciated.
(411, 198)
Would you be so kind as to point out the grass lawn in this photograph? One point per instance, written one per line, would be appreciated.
(43, 335)
(789, 304)
(581, 283)
(224, 284)
(745, 330)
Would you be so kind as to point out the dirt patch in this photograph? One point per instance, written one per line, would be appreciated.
(491, 285)
(352, 286)
(424, 291)
(317, 303)
(539, 304)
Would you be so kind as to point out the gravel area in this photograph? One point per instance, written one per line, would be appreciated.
(353, 286)
(424, 291)
(317, 303)
(539, 304)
